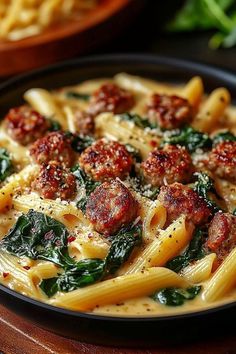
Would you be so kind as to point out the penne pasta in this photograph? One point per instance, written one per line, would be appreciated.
(223, 280)
(201, 270)
(167, 245)
(119, 289)
(113, 127)
(212, 110)
(42, 101)
(94, 219)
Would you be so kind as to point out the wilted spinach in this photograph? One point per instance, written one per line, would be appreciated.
(194, 252)
(85, 182)
(6, 167)
(54, 125)
(83, 273)
(121, 247)
(224, 136)
(37, 236)
(190, 138)
(203, 186)
(175, 296)
(80, 142)
(134, 152)
(89, 271)
(77, 95)
(137, 120)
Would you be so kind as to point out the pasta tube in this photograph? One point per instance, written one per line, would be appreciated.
(212, 110)
(223, 280)
(167, 245)
(119, 289)
(200, 270)
(16, 181)
(43, 101)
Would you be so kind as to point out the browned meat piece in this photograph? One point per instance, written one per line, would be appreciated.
(222, 235)
(25, 125)
(170, 164)
(111, 98)
(222, 160)
(179, 199)
(106, 160)
(84, 123)
(55, 146)
(169, 112)
(110, 207)
(54, 181)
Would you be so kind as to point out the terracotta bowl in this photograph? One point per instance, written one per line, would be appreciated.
(72, 38)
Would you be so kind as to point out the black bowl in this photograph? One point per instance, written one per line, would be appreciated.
(104, 329)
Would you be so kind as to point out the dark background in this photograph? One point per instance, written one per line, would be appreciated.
(145, 34)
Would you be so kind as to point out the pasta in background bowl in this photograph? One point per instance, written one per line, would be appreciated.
(59, 29)
(155, 250)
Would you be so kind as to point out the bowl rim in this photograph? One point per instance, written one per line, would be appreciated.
(204, 69)
(94, 17)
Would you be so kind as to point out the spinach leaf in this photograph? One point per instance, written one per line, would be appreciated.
(137, 120)
(81, 142)
(203, 186)
(176, 296)
(84, 272)
(37, 236)
(225, 136)
(134, 152)
(77, 95)
(122, 246)
(190, 138)
(6, 167)
(88, 271)
(208, 14)
(54, 125)
(85, 182)
(192, 253)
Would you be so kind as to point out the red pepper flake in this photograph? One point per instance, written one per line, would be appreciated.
(5, 274)
(71, 239)
(153, 143)
(26, 267)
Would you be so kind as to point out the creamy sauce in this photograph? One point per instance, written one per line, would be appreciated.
(144, 306)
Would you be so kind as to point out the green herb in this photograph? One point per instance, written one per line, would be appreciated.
(77, 95)
(122, 246)
(86, 183)
(54, 125)
(85, 272)
(37, 236)
(89, 271)
(203, 186)
(134, 152)
(194, 252)
(225, 136)
(6, 167)
(175, 296)
(80, 143)
(234, 212)
(190, 138)
(208, 14)
(137, 120)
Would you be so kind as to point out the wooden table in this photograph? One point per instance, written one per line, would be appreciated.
(18, 336)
